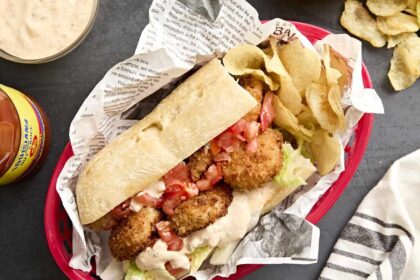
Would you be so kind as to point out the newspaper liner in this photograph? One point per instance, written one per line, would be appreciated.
(180, 35)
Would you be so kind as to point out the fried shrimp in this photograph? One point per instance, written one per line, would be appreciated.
(255, 88)
(134, 234)
(200, 211)
(246, 171)
(199, 162)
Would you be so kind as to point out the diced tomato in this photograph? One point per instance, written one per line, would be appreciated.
(213, 174)
(168, 206)
(176, 244)
(252, 146)
(174, 271)
(175, 185)
(175, 190)
(148, 200)
(178, 188)
(251, 130)
(214, 147)
(164, 230)
(174, 182)
(122, 210)
(180, 172)
(222, 156)
(238, 128)
(240, 137)
(191, 189)
(166, 233)
(204, 185)
(267, 111)
(228, 142)
(173, 197)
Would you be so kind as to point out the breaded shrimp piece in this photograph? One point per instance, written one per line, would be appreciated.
(199, 162)
(134, 234)
(200, 211)
(246, 171)
(255, 88)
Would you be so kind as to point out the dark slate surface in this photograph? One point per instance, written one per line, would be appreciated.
(61, 86)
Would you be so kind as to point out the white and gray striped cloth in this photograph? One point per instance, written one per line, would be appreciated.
(382, 240)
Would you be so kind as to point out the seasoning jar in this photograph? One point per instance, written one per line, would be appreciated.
(24, 135)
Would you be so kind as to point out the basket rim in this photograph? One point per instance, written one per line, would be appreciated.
(364, 128)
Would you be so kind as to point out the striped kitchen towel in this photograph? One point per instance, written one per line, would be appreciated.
(382, 239)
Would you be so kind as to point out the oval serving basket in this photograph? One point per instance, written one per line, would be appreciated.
(58, 227)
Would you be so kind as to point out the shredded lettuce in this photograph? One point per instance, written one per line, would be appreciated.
(159, 274)
(222, 254)
(296, 168)
(134, 273)
(198, 257)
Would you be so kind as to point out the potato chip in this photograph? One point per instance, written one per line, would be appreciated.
(335, 70)
(411, 12)
(386, 7)
(413, 47)
(323, 78)
(334, 99)
(307, 119)
(358, 21)
(325, 151)
(397, 39)
(418, 12)
(273, 64)
(260, 75)
(331, 74)
(290, 96)
(405, 64)
(397, 24)
(287, 93)
(302, 64)
(340, 63)
(317, 97)
(305, 150)
(286, 120)
(411, 4)
(412, 7)
(243, 57)
(248, 60)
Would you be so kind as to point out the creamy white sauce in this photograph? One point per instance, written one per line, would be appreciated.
(243, 214)
(158, 255)
(34, 29)
(156, 190)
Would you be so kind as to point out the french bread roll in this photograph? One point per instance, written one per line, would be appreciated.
(198, 110)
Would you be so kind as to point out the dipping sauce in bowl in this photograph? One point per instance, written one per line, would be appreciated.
(37, 31)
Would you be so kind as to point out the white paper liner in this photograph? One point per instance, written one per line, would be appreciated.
(176, 39)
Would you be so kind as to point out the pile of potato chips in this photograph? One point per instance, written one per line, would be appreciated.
(389, 21)
(308, 89)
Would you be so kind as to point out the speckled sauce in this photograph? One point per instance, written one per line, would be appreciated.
(155, 190)
(243, 214)
(36, 29)
(155, 258)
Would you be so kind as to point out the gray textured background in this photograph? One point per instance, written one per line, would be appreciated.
(61, 86)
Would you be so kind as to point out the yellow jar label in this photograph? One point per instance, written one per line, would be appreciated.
(32, 136)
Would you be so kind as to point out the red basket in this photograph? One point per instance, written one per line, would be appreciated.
(58, 227)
